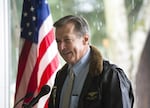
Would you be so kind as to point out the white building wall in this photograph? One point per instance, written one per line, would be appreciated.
(5, 50)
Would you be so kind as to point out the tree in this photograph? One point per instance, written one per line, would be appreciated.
(141, 56)
(117, 31)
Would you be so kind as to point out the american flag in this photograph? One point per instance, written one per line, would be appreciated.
(38, 56)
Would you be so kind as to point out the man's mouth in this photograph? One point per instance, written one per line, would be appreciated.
(66, 53)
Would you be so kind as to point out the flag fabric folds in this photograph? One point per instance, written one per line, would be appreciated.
(38, 54)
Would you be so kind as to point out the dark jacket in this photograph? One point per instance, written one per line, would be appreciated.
(106, 86)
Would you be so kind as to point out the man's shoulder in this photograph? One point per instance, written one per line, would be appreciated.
(108, 66)
(111, 70)
(62, 71)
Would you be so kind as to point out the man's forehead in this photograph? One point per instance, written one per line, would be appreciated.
(66, 28)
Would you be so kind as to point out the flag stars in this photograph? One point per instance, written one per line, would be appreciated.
(29, 33)
(32, 8)
(46, 2)
(25, 14)
(27, 24)
(33, 18)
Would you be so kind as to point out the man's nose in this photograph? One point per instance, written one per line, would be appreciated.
(61, 45)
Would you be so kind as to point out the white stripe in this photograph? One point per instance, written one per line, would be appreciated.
(21, 43)
(50, 53)
(50, 82)
(31, 61)
(45, 28)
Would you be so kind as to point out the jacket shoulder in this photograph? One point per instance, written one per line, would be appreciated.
(116, 77)
(110, 69)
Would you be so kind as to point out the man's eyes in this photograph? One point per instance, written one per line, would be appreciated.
(58, 41)
(65, 40)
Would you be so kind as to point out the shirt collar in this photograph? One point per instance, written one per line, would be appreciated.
(81, 63)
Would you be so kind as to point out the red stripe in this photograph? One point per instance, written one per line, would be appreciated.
(49, 70)
(46, 104)
(22, 62)
(32, 85)
(43, 47)
(49, 38)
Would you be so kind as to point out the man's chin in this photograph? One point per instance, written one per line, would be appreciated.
(69, 61)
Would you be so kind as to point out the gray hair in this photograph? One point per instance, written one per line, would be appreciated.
(81, 24)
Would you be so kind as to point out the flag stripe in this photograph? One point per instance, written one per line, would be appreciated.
(32, 84)
(47, 58)
(41, 104)
(31, 61)
(22, 61)
(38, 61)
(46, 105)
(46, 43)
(49, 71)
(45, 28)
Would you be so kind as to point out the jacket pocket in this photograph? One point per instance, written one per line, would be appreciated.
(92, 99)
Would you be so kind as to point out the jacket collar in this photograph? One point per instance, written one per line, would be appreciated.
(96, 62)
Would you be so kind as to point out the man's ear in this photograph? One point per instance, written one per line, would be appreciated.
(86, 39)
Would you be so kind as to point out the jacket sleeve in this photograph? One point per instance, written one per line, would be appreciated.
(116, 89)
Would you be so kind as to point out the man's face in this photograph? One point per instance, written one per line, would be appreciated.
(71, 46)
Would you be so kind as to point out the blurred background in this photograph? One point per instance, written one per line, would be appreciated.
(120, 29)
